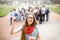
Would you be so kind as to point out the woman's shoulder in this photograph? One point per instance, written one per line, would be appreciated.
(37, 27)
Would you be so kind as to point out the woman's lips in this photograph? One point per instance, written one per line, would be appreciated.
(30, 21)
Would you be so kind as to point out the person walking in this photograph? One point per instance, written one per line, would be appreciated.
(43, 13)
(11, 15)
(40, 16)
(36, 12)
(47, 14)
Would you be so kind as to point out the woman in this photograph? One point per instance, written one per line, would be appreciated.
(29, 29)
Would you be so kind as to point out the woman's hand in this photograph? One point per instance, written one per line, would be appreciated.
(13, 20)
(14, 31)
(31, 38)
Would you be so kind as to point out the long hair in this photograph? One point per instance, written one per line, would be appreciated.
(26, 24)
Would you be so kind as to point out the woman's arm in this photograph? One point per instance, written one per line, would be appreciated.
(14, 31)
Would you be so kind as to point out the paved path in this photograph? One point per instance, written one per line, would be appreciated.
(48, 30)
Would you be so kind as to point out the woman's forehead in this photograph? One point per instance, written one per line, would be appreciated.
(30, 15)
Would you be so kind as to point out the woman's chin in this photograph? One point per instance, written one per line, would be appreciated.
(29, 24)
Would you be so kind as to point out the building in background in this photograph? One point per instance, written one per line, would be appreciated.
(18, 2)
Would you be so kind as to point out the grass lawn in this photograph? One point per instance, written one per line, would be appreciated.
(56, 10)
(50, 4)
(4, 10)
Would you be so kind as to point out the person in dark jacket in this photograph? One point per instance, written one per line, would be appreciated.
(40, 16)
(47, 14)
(36, 12)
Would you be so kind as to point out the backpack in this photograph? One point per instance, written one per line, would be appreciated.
(16, 14)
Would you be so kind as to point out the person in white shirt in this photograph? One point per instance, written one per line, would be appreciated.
(43, 13)
(11, 15)
(17, 14)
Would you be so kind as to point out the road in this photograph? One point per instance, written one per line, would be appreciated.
(48, 30)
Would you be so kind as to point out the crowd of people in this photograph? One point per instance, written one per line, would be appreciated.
(41, 13)
(29, 29)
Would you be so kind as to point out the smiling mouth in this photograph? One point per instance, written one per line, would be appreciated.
(30, 21)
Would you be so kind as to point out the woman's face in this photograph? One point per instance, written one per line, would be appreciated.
(30, 19)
